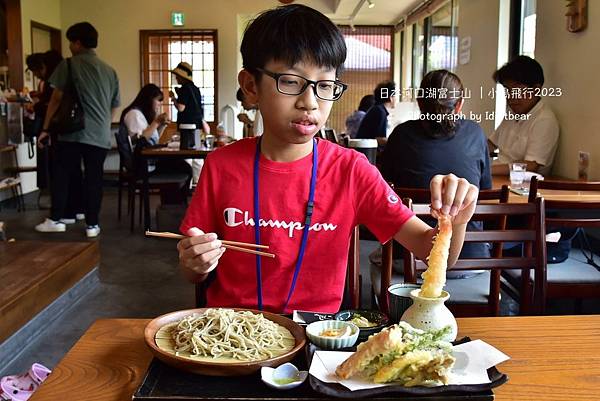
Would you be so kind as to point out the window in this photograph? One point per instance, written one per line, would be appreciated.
(443, 38)
(418, 37)
(163, 50)
(434, 40)
(368, 62)
(527, 28)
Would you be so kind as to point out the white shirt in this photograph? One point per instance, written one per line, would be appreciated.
(258, 124)
(534, 139)
(136, 123)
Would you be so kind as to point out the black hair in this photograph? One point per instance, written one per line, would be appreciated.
(384, 91)
(239, 95)
(35, 61)
(291, 34)
(366, 103)
(440, 91)
(143, 102)
(521, 69)
(85, 33)
(51, 60)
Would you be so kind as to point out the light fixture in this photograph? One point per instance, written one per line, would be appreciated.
(371, 4)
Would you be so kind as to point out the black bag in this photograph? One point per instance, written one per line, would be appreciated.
(68, 117)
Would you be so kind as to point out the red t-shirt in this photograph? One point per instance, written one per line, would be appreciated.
(349, 191)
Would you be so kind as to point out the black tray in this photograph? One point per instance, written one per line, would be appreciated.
(164, 383)
(449, 392)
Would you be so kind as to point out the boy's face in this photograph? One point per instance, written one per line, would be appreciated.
(292, 119)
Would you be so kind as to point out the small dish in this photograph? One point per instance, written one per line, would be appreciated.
(283, 377)
(379, 319)
(348, 334)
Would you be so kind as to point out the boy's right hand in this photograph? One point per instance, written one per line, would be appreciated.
(200, 252)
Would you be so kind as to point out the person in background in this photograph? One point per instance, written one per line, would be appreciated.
(42, 65)
(375, 123)
(353, 121)
(441, 143)
(143, 119)
(251, 119)
(529, 131)
(188, 101)
(294, 82)
(98, 88)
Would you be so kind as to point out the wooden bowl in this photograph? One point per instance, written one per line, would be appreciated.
(216, 368)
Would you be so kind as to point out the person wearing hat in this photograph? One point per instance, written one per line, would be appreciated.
(189, 100)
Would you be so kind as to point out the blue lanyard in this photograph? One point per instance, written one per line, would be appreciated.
(307, 219)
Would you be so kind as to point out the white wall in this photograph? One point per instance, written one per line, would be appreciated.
(571, 62)
(478, 19)
(119, 22)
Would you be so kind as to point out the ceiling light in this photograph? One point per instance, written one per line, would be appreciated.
(371, 4)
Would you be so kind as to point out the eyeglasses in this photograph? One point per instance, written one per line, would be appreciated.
(291, 84)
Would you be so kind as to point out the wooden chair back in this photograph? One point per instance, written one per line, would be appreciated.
(423, 196)
(352, 289)
(570, 214)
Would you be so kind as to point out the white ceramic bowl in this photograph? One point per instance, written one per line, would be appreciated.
(314, 330)
(285, 377)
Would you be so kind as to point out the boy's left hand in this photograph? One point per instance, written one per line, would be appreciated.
(453, 196)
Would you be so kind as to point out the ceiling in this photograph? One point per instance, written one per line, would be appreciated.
(357, 12)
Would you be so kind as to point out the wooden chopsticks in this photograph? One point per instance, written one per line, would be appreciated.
(234, 245)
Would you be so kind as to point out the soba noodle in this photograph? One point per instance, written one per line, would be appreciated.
(225, 333)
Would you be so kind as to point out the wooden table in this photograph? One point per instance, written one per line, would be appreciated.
(163, 153)
(552, 358)
(589, 196)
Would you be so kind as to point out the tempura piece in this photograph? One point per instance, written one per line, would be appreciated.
(434, 278)
(403, 355)
(381, 343)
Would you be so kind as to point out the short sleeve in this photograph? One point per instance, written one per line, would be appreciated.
(376, 204)
(60, 77)
(116, 96)
(542, 140)
(485, 181)
(201, 210)
(135, 122)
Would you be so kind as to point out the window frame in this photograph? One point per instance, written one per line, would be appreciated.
(145, 35)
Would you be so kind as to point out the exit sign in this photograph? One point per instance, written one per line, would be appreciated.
(177, 19)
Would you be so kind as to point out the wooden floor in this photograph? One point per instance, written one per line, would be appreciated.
(34, 273)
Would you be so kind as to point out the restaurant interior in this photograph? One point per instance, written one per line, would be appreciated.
(81, 302)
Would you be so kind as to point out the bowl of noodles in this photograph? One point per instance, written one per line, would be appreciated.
(223, 341)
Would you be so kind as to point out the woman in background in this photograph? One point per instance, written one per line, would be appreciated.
(440, 142)
(143, 121)
(353, 121)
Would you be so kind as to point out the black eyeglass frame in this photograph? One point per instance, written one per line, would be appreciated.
(276, 76)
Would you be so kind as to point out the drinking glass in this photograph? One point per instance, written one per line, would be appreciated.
(517, 174)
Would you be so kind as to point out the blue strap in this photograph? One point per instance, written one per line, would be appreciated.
(308, 218)
(257, 228)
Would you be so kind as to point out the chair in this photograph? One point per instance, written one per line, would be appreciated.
(420, 195)
(352, 289)
(480, 295)
(332, 136)
(574, 278)
(130, 174)
(13, 182)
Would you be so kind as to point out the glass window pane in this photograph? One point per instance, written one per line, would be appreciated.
(528, 15)
(173, 47)
(442, 40)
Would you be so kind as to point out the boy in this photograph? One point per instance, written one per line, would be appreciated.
(529, 131)
(292, 55)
